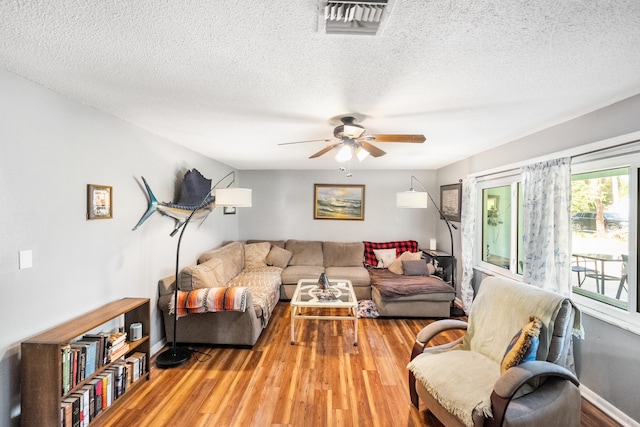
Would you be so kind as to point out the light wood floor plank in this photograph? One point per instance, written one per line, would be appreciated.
(321, 380)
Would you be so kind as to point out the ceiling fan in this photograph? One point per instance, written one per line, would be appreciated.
(350, 139)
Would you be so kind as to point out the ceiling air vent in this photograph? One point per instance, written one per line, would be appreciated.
(353, 17)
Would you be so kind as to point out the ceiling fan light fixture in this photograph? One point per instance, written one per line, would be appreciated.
(361, 153)
(344, 154)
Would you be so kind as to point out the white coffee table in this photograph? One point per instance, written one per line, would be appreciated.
(308, 295)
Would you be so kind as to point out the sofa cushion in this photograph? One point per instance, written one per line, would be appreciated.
(385, 257)
(232, 257)
(343, 254)
(255, 255)
(209, 274)
(359, 276)
(264, 283)
(278, 257)
(401, 246)
(293, 273)
(305, 252)
(396, 266)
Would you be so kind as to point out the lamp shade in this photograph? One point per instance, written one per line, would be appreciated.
(412, 199)
(238, 197)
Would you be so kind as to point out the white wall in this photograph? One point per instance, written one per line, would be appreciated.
(283, 207)
(607, 359)
(51, 148)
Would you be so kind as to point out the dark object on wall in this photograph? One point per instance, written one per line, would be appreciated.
(451, 202)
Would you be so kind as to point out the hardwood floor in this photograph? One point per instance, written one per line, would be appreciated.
(322, 380)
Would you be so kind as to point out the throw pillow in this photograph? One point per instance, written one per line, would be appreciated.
(255, 254)
(396, 266)
(523, 346)
(416, 267)
(278, 257)
(385, 257)
(209, 274)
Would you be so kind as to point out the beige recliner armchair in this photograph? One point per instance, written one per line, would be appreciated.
(461, 382)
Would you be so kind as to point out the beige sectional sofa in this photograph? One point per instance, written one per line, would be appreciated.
(270, 270)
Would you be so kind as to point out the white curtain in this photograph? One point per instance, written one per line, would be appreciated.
(546, 228)
(467, 240)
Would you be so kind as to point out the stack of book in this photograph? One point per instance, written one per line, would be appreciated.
(88, 384)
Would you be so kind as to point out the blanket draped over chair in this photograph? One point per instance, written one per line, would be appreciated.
(210, 300)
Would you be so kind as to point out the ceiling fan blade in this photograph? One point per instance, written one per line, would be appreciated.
(372, 149)
(310, 140)
(324, 150)
(397, 138)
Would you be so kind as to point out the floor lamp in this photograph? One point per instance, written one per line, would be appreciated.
(237, 197)
(420, 199)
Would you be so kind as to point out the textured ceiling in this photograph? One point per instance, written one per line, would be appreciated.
(233, 79)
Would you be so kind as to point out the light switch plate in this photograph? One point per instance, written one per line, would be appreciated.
(26, 259)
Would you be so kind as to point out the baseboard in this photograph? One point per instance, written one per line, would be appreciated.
(608, 408)
(159, 346)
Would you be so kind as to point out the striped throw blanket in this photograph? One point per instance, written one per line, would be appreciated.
(210, 300)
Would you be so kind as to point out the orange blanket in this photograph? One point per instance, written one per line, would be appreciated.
(210, 300)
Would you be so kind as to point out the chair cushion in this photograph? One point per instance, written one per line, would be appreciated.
(343, 254)
(460, 381)
(523, 346)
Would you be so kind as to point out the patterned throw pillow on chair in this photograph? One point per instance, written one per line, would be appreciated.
(523, 346)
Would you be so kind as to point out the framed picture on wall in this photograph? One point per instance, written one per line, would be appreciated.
(451, 201)
(99, 201)
(338, 201)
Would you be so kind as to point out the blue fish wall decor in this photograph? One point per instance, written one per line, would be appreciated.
(195, 194)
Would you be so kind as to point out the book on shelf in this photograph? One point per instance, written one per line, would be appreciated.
(66, 368)
(83, 395)
(96, 383)
(91, 356)
(116, 338)
(101, 340)
(75, 409)
(81, 363)
(67, 413)
(121, 351)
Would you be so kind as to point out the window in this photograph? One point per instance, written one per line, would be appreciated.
(501, 230)
(605, 189)
(600, 236)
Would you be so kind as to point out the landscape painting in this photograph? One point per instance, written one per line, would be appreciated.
(333, 201)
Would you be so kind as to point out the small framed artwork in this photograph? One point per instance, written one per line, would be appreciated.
(336, 201)
(99, 202)
(451, 201)
(229, 210)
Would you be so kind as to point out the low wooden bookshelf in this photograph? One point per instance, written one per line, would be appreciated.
(41, 361)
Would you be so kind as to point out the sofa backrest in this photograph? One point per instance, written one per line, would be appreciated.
(305, 252)
(503, 306)
(232, 257)
(343, 254)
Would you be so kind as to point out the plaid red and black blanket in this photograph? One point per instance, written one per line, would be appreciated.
(210, 300)
(401, 246)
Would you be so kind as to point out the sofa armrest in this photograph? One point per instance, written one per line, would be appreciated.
(166, 285)
(509, 383)
(505, 389)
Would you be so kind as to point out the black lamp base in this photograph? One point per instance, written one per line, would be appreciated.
(173, 357)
